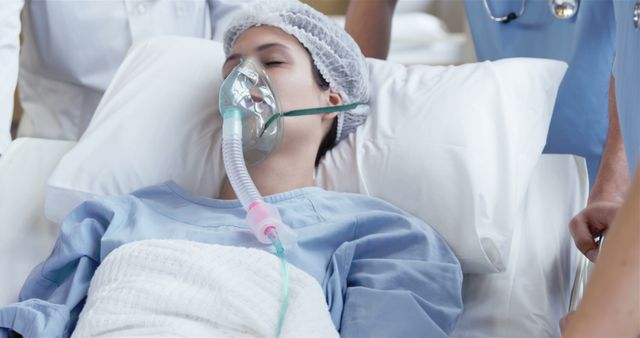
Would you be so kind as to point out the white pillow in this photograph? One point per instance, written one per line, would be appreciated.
(455, 146)
(158, 120)
(460, 142)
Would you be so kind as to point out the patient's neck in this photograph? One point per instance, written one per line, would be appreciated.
(279, 173)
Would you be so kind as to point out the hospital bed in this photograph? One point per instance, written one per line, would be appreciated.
(524, 298)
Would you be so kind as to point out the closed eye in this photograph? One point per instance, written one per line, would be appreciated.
(273, 63)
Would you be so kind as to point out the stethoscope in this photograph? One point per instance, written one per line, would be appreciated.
(561, 9)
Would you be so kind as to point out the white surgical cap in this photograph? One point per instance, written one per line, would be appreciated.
(335, 54)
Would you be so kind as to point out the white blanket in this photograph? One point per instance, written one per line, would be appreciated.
(189, 289)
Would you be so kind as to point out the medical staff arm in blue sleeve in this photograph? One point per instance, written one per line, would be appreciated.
(55, 291)
(609, 189)
(402, 281)
(369, 23)
(10, 26)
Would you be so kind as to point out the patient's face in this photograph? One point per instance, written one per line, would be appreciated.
(288, 65)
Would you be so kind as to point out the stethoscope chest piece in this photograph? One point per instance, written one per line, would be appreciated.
(563, 9)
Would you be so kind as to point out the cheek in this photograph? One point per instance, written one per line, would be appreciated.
(296, 90)
(300, 130)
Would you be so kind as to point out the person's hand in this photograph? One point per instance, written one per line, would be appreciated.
(591, 222)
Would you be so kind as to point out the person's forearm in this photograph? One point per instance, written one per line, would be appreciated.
(611, 303)
(369, 23)
(613, 178)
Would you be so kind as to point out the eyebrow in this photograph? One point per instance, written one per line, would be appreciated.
(258, 49)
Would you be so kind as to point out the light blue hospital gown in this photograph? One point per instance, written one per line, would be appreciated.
(384, 273)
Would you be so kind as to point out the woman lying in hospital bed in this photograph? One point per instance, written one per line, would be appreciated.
(163, 261)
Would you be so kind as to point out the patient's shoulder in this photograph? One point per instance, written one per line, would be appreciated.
(355, 203)
(368, 212)
(108, 205)
(103, 209)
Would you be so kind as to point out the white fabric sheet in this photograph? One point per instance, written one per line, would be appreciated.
(530, 297)
(176, 288)
(26, 236)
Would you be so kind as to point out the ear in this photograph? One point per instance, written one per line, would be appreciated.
(334, 98)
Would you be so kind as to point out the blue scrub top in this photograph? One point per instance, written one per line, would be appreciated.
(627, 75)
(586, 42)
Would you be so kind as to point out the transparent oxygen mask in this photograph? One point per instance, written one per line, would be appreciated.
(249, 89)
